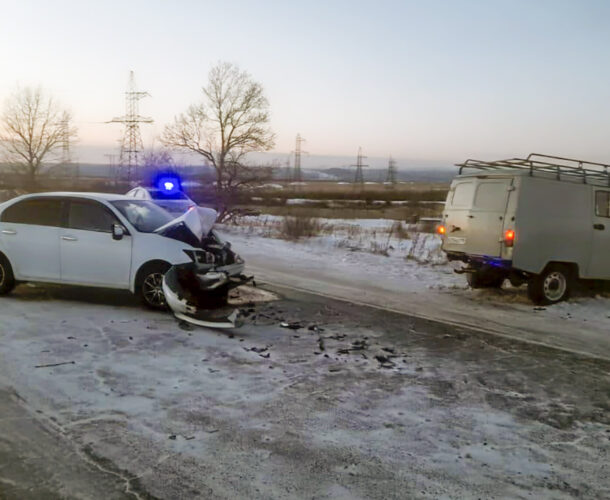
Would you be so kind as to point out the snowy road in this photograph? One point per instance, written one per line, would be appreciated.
(581, 325)
(353, 402)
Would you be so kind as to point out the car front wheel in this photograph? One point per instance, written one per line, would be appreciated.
(151, 287)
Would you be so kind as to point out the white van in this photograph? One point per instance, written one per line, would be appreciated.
(544, 220)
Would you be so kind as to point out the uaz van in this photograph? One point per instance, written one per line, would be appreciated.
(542, 220)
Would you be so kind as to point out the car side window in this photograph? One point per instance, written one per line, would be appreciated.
(602, 203)
(90, 216)
(37, 212)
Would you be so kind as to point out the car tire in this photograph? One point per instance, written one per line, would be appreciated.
(150, 287)
(485, 279)
(553, 285)
(7, 279)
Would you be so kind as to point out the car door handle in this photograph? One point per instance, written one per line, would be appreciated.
(471, 216)
(9, 231)
(599, 227)
(69, 238)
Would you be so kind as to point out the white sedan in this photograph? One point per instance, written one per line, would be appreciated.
(114, 241)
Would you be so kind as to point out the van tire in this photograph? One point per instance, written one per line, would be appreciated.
(150, 279)
(552, 285)
(7, 278)
(485, 279)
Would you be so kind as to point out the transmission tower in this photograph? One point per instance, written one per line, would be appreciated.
(288, 170)
(391, 178)
(65, 142)
(359, 175)
(65, 161)
(131, 144)
(297, 174)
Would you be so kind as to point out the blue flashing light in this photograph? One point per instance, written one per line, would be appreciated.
(169, 183)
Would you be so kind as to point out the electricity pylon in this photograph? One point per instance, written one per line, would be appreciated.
(131, 144)
(66, 154)
(391, 178)
(359, 179)
(297, 174)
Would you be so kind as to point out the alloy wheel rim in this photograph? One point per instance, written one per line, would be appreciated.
(555, 285)
(2, 275)
(153, 289)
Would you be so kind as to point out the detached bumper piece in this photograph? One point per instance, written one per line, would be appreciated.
(199, 295)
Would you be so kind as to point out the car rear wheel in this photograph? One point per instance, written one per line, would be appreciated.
(553, 285)
(7, 279)
(485, 279)
(151, 286)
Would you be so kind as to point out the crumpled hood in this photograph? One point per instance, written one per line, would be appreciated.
(198, 220)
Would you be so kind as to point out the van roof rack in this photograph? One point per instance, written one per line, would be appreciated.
(587, 172)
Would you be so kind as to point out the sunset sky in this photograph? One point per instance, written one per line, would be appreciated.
(430, 80)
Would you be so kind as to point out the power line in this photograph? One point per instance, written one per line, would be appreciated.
(131, 143)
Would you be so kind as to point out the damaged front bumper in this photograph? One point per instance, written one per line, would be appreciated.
(198, 293)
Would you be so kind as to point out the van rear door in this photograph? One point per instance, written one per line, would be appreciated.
(475, 212)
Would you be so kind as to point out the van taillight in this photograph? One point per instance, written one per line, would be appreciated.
(509, 237)
(441, 230)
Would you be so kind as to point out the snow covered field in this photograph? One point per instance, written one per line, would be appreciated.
(367, 260)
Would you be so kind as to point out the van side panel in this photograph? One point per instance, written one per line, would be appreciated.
(552, 223)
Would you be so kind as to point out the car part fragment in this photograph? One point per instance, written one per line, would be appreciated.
(198, 293)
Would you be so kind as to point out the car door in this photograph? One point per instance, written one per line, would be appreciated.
(30, 235)
(599, 263)
(89, 254)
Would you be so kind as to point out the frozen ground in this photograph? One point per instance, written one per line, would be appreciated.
(350, 402)
(361, 261)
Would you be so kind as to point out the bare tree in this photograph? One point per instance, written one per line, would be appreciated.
(156, 161)
(33, 129)
(231, 121)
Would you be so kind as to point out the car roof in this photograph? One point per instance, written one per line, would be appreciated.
(70, 194)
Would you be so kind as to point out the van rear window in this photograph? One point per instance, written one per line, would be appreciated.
(491, 196)
(602, 203)
(462, 194)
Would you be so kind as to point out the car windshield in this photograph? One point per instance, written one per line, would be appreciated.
(159, 194)
(145, 216)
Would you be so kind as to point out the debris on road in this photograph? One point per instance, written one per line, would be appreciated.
(56, 364)
(292, 326)
(385, 361)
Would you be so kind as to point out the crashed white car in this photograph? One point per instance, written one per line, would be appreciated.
(116, 241)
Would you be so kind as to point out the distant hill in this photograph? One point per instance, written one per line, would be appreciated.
(343, 174)
(429, 174)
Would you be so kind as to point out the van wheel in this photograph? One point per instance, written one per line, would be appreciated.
(151, 286)
(485, 279)
(7, 279)
(553, 285)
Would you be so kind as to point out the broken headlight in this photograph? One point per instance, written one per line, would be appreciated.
(200, 256)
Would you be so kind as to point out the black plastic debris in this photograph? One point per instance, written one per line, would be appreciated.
(384, 361)
(295, 325)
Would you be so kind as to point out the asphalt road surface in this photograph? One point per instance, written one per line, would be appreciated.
(312, 397)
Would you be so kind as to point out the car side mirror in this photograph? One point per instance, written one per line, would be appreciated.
(118, 232)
